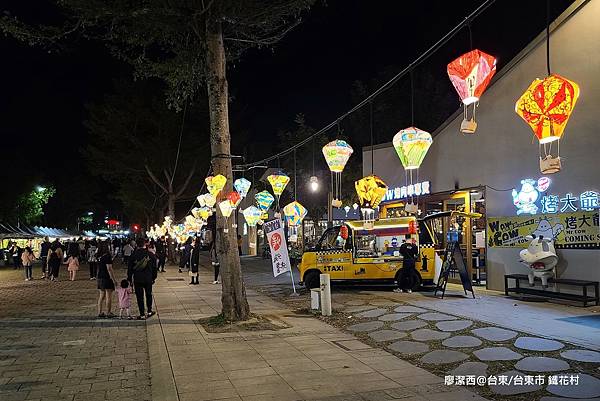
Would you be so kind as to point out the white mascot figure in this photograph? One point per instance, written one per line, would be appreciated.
(540, 257)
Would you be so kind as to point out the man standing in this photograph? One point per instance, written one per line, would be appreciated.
(142, 273)
(161, 253)
(408, 275)
(127, 251)
(44, 249)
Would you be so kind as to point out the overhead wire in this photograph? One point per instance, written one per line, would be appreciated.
(387, 85)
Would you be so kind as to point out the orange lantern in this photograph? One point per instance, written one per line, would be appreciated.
(546, 107)
(470, 74)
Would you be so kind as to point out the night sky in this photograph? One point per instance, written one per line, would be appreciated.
(42, 103)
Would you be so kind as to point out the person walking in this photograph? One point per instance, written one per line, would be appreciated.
(239, 244)
(142, 273)
(73, 264)
(15, 253)
(195, 262)
(161, 254)
(127, 251)
(55, 258)
(27, 259)
(44, 250)
(124, 295)
(214, 259)
(105, 280)
(186, 253)
(92, 259)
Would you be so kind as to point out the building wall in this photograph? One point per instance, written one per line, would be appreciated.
(503, 150)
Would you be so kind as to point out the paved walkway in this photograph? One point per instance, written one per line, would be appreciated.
(310, 360)
(53, 348)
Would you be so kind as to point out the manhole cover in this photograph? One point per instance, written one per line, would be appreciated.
(175, 279)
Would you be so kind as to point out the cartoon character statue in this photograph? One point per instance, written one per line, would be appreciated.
(547, 230)
(540, 256)
(525, 199)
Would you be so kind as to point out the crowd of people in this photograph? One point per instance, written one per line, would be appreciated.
(142, 258)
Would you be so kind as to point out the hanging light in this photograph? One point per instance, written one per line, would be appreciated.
(264, 200)
(370, 191)
(226, 209)
(346, 209)
(411, 145)
(336, 155)
(294, 213)
(242, 186)
(314, 183)
(470, 74)
(546, 107)
(215, 184)
(252, 215)
(278, 182)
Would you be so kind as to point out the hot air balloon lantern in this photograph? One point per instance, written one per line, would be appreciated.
(370, 191)
(278, 182)
(205, 212)
(234, 198)
(411, 145)
(336, 155)
(226, 209)
(201, 201)
(264, 200)
(215, 184)
(470, 74)
(252, 215)
(196, 212)
(242, 186)
(294, 213)
(546, 107)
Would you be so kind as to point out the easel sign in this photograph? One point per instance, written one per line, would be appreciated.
(453, 258)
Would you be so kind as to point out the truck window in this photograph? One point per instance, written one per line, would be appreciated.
(331, 240)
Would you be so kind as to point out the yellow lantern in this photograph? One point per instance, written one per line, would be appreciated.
(278, 182)
(252, 215)
(215, 184)
(411, 145)
(370, 191)
(336, 155)
(226, 209)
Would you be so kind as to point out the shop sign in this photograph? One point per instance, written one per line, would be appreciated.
(420, 188)
(529, 199)
(277, 243)
(567, 230)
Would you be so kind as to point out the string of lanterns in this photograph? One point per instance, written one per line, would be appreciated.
(545, 106)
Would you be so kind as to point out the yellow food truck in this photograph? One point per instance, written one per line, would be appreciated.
(363, 252)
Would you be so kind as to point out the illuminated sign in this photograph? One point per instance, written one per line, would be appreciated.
(530, 199)
(420, 188)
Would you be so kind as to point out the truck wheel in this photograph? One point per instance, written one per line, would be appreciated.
(410, 276)
(311, 280)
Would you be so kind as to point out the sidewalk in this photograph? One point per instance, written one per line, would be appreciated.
(310, 360)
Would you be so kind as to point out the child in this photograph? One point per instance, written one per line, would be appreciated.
(72, 266)
(124, 294)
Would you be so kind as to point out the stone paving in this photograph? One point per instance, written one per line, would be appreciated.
(53, 348)
(446, 344)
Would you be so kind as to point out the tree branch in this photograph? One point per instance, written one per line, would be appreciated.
(186, 183)
(156, 181)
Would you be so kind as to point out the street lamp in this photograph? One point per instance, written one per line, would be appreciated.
(39, 188)
(314, 183)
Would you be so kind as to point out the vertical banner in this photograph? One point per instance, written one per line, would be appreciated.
(279, 251)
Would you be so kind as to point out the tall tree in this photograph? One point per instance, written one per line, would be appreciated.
(183, 42)
(150, 153)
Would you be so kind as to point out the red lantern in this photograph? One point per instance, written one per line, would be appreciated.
(470, 74)
(234, 198)
(412, 227)
(344, 232)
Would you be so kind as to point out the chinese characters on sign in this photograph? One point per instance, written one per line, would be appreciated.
(420, 188)
(578, 230)
(526, 199)
(514, 380)
(279, 252)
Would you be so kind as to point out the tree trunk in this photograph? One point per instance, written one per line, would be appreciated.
(233, 299)
(171, 205)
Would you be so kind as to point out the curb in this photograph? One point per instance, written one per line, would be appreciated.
(162, 380)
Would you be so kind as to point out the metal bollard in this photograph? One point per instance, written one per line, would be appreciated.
(325, 282)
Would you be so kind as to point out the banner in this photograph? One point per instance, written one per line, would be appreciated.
(576, 230)
(279, 251)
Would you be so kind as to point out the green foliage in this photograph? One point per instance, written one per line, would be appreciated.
(31, 205)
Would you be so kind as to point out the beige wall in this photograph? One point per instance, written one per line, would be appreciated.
(503, 151)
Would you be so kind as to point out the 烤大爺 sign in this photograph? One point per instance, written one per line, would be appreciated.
(578, 230)
(420, 188)
(279, 251)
